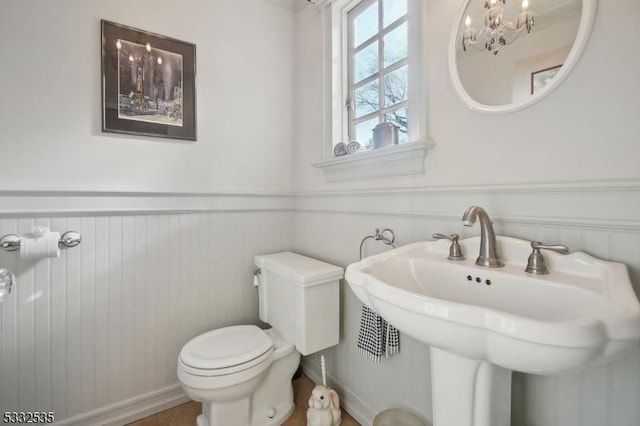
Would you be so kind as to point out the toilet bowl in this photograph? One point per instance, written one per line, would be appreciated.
(242, 374)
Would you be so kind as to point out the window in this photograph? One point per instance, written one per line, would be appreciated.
(377, 61)
(373, 54)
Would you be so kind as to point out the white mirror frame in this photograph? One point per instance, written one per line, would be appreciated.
(587, 20)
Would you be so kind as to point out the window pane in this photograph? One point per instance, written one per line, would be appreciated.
(395, 45)
(367, 99)
(365, 25)
(366, 62)
(392, 10)
(395, 86)
(399, 118)
(364, 132)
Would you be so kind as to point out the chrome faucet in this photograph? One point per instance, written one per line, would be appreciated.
(488, 256)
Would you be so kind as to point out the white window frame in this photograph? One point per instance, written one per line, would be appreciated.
(403, 159)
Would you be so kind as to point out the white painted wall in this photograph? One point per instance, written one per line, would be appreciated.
(50, 113)
(170, 228)
(585, 131)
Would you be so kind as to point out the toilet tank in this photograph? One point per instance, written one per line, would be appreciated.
(300, 297)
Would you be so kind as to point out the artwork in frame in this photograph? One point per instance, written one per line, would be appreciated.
(540, 78)
(148, 83)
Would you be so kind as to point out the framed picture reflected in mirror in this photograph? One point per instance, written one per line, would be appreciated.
(540, 78)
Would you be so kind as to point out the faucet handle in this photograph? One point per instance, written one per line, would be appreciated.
(560, 248)
(455, 252)
(536, 264)
(439, 236)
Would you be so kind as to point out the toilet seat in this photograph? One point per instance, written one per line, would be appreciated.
(226, 350)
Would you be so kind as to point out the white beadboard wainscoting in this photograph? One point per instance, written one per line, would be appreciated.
(601, 219)
(94, 334)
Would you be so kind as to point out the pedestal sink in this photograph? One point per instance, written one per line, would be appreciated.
(483, 323)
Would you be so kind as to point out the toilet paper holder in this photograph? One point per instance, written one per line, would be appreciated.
(11, 242)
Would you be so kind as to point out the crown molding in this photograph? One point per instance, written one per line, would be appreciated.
(291, 5)
(321, 3)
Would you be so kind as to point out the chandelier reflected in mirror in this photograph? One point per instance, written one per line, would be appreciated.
(497, 31)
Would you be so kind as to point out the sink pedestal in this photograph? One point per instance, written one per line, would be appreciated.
(469, 392)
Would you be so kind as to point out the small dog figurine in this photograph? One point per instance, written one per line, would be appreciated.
(324, 407)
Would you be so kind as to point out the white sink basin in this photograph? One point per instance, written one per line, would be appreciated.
(584, 311)
(499, 319)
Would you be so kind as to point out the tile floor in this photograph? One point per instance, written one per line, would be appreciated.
(185, 414)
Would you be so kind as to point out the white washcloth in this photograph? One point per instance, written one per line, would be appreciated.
(376, 337)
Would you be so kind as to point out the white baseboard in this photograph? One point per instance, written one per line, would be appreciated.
(360, 411)
(130, 410)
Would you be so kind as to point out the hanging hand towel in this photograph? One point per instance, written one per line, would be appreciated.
(376, 337)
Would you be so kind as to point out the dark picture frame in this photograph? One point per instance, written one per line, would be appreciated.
(540, 78)
(148, 83)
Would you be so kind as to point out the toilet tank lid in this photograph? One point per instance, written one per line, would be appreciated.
(299, 269)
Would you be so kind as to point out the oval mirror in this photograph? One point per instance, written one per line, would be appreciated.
(507, 54)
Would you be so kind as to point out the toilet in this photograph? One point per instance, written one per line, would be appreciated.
(242, 373)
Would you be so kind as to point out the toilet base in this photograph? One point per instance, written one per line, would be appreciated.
(270, 405)
(273, 402)
(230, 413)
(234, 415)
(277, 420)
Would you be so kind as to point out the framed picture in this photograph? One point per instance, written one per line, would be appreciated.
(148, 83)
(540, 78)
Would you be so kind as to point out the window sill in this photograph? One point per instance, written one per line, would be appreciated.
(397, 160)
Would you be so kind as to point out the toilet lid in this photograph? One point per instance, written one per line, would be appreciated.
(226, 347)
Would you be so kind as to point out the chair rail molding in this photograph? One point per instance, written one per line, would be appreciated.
(605, 205)
(83, 203)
